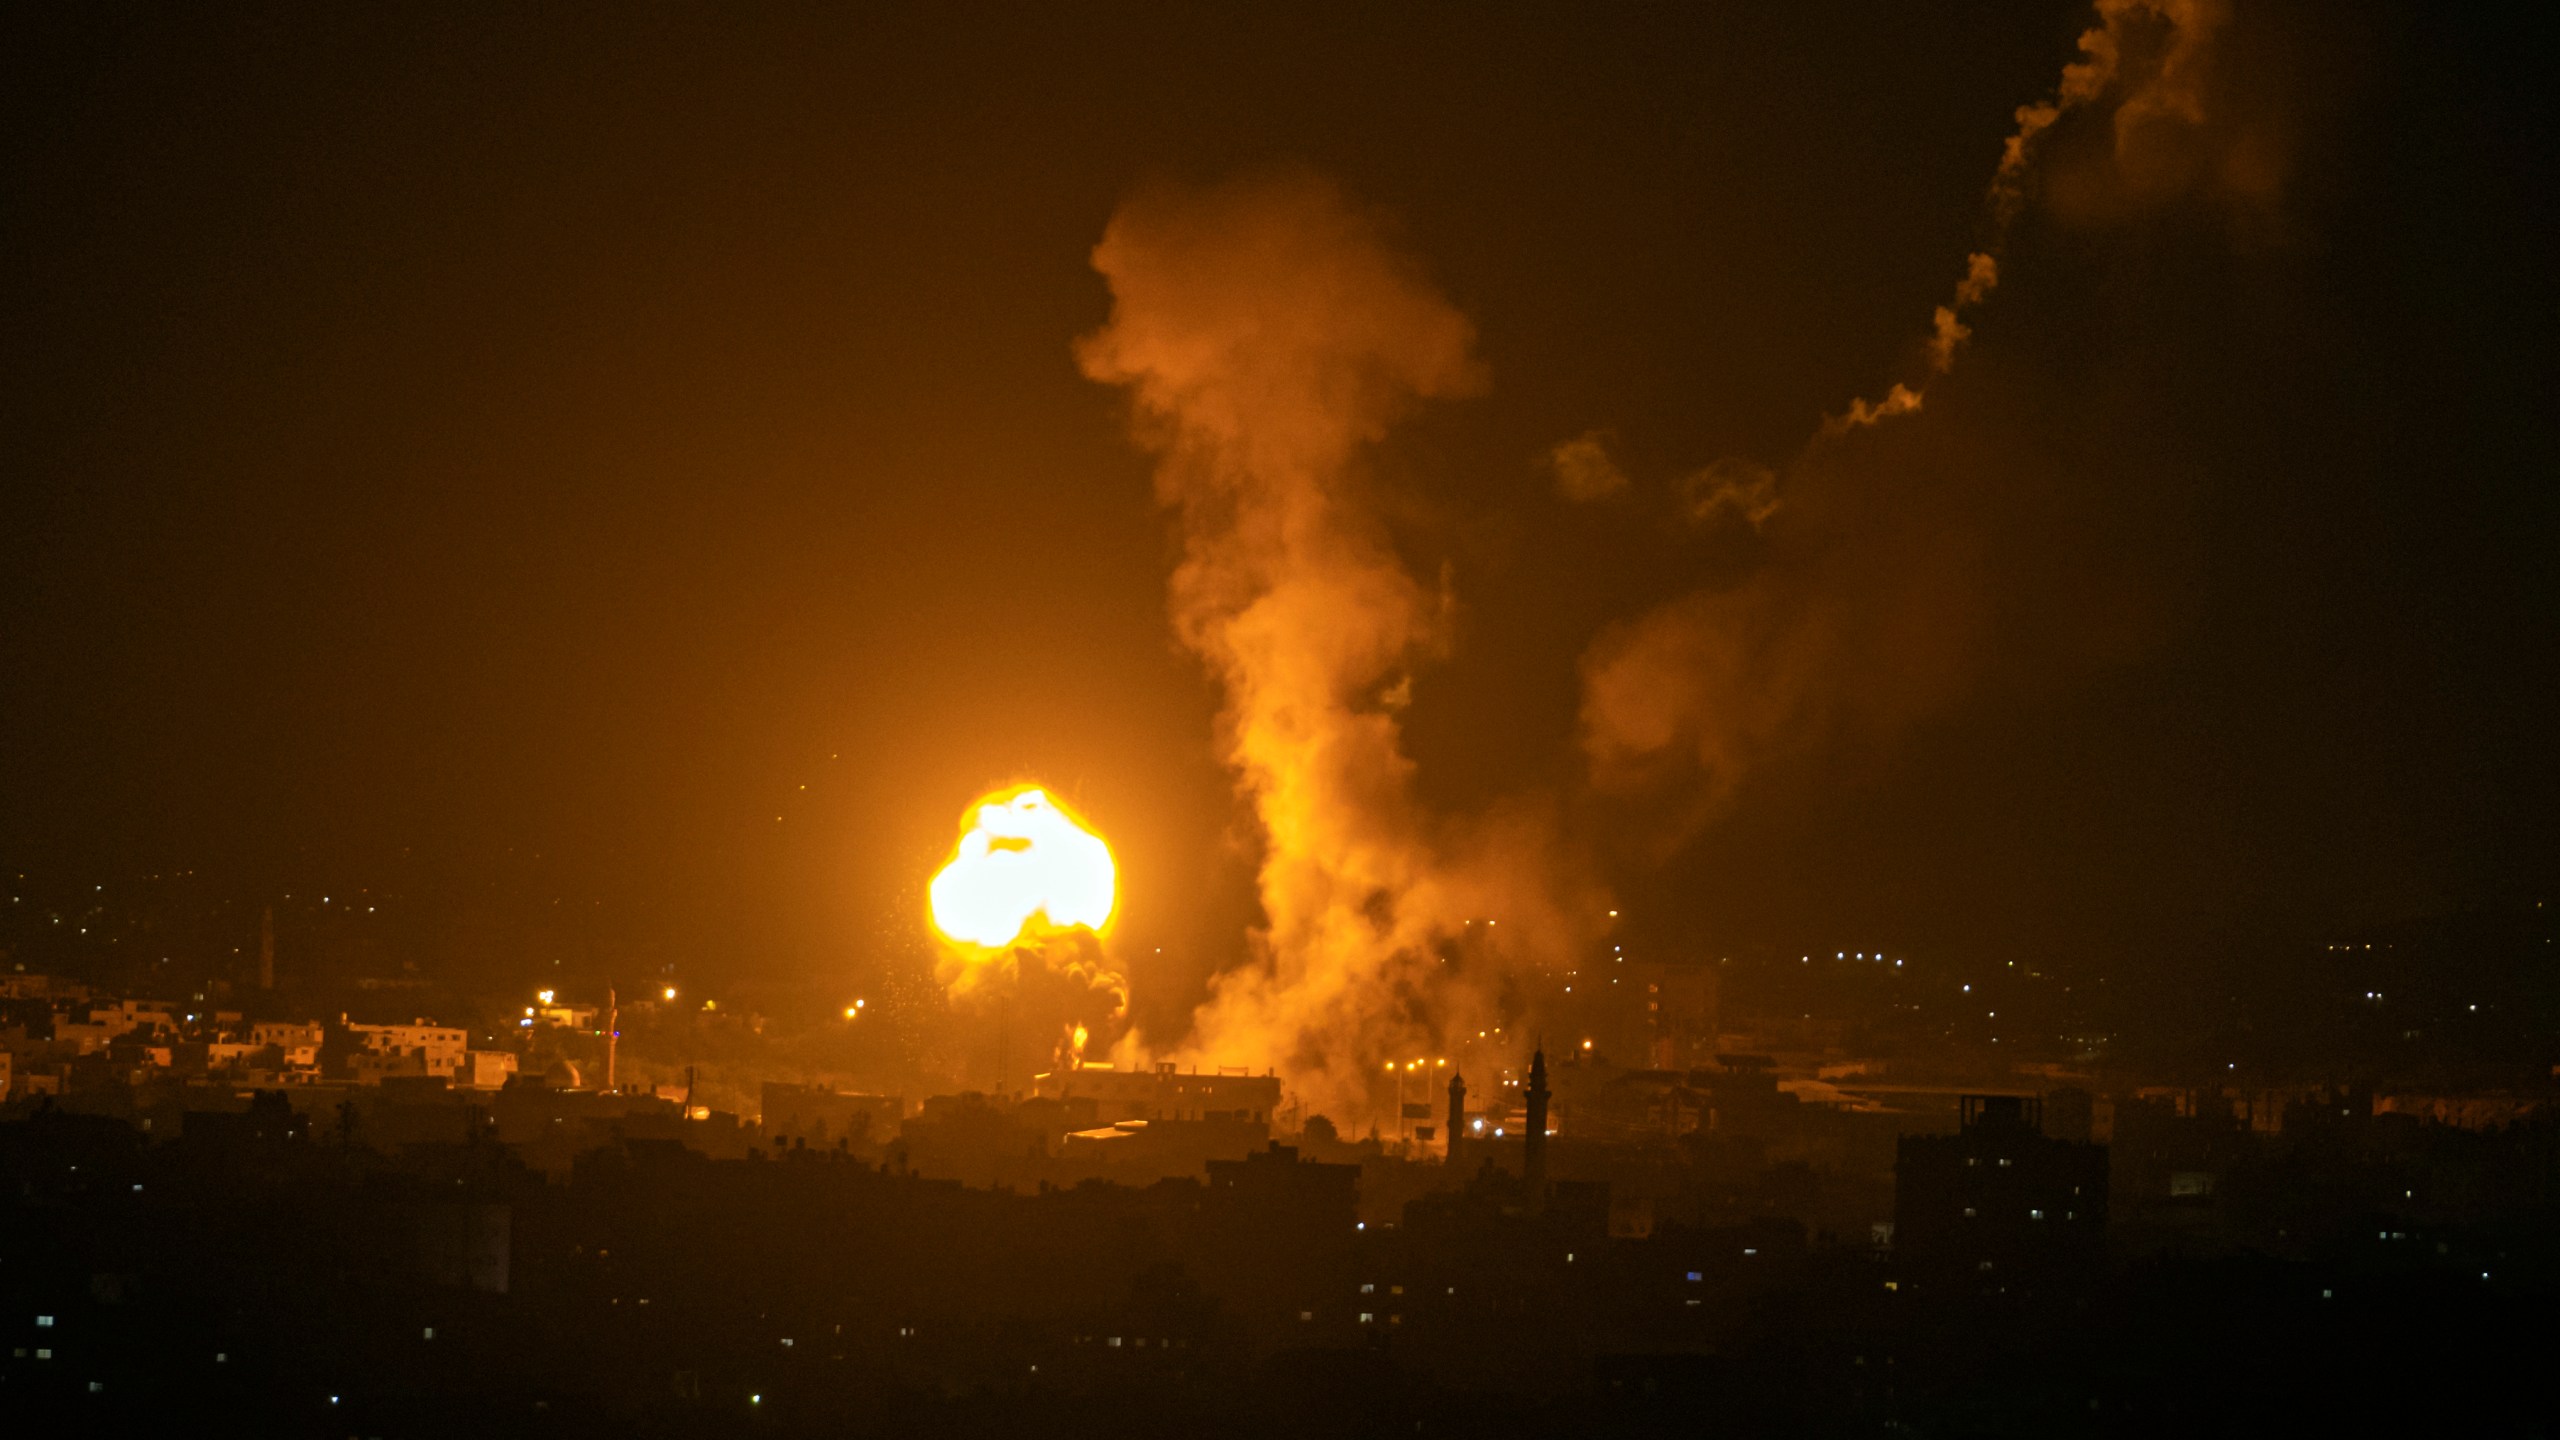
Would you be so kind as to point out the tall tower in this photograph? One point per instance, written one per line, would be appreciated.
(1457, 1116)
(1533, 1160)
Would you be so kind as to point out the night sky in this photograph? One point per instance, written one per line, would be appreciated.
(640, 453)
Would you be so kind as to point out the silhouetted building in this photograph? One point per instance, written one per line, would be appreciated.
(822, 1116)
(2070, 1113)
(1998, 1205)
(1164, 1092)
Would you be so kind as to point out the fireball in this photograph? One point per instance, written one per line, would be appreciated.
(1024, 868)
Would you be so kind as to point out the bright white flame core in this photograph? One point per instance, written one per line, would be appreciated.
(1023, 860)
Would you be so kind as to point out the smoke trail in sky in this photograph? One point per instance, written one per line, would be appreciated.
(1862, 613)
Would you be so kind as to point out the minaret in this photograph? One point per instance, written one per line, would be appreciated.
(612, 1034)
(1457, 1116)
(1533, 1160)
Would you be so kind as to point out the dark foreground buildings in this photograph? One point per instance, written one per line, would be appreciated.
(1998, 1205)
(268, 1271)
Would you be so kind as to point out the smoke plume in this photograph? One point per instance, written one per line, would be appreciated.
(1862, 613)
(1267, 334)
(1584, 471)
(2153, 57)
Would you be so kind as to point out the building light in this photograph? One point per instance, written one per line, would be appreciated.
(1696, 1275)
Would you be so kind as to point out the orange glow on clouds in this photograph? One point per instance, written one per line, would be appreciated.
(1023, 868)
